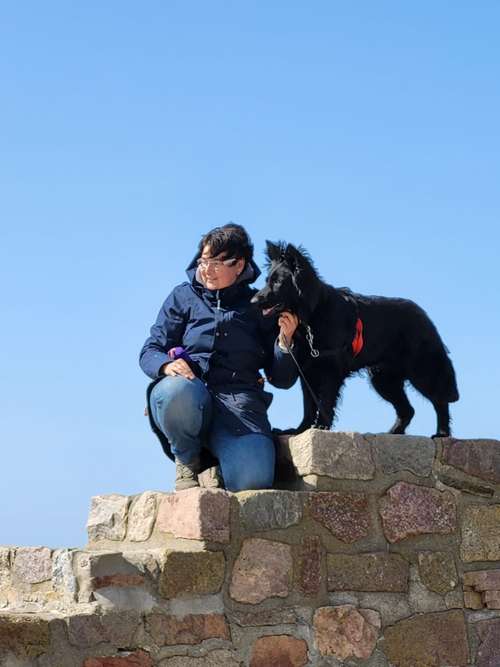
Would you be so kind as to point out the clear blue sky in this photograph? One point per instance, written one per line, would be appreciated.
(369, 132)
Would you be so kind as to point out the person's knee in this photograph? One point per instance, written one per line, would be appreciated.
(246, 478)
(178, 399)
(175, 391)
(250, 483)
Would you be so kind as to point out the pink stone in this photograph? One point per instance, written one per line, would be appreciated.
(262, 570)
(345, 632)
(135, 659)
(309, 559)
(167, 630)
(32, 565)
(196, 514)
(279, 651)
(345, 515)
(409, 509)
(480, 458)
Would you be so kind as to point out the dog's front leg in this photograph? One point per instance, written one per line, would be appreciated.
(328, 395)
(309, 413)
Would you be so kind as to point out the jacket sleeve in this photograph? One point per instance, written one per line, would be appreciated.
(165, 333)
(281, 371)
(279, 367)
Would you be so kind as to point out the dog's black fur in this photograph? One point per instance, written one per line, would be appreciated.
(400, 342)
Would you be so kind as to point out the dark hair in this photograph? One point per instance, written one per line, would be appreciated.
(231, 239)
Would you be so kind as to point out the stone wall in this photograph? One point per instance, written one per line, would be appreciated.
(375, 550)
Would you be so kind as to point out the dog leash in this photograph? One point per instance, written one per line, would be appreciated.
(314, 353)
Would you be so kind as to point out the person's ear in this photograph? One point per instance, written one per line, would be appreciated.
(240, 265)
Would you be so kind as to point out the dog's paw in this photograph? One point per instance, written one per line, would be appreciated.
(285, 431)
(320, 427)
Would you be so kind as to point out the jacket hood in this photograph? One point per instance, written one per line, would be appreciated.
(249, 274)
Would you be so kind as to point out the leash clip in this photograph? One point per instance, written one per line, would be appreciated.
(310, 340)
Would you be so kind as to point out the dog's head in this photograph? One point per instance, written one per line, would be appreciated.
(287, 268)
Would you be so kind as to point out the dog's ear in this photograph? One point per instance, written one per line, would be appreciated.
(273, 251)
(293, 256)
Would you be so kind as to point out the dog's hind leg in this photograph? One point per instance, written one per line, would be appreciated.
(443, 419)
(429, 387)
(391, 387)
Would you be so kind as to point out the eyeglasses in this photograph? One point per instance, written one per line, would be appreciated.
(215, 264)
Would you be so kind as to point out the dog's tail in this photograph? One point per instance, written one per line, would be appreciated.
(433, 372)
(448, 380)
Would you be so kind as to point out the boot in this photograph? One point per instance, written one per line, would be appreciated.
(212, 478)
(186, 474)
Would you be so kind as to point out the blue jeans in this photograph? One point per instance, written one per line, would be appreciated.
(182, 410)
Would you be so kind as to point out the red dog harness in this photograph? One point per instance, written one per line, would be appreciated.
(357, 343)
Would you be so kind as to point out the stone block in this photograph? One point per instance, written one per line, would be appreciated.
(409, 509)
(430, 640)
(141, 517)
(438, 571)
(108, 518)
(480, 458)
(466, 485)
(483, 580)
(188, 573)
(345, 632)
(278, 650)
(89, 630)
(345, 515)
(488, 654)
(492, 599)
(336, 455)
(394, 453)
(268, 510)
(262, 570)
(367, 572)
(32, 565)
(63, 578)
(481, 533)
(168, 630)
(308, 565)
(125, 659)
(24, 635)
(473, 600)
(196, 514)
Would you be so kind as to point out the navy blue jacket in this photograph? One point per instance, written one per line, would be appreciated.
(228, 341)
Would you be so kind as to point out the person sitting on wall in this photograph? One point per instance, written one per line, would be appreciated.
(207, 398)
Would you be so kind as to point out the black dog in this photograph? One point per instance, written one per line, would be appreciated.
(393, 338)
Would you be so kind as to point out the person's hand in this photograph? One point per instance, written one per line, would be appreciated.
(179, 367)
(288, 322)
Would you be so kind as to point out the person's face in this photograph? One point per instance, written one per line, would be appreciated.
(216, 275)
